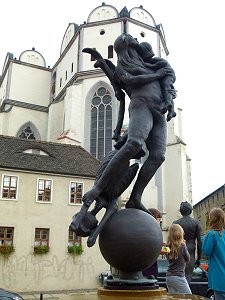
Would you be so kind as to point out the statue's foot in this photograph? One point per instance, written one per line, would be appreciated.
(137, 204)
(75, 222)
(170, 115)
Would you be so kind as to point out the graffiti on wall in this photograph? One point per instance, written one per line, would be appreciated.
(39, 269)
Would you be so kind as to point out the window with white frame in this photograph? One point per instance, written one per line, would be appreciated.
(6, 235)
(76, 192)
(9, 187)
(41, 237)
(44, 190)
(73, 239)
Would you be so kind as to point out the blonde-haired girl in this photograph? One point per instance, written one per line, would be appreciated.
(214, 247)
(175, 277)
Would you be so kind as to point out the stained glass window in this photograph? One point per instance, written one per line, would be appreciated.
(101, 123)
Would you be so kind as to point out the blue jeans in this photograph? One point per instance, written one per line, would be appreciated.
(219, 295)
(177, 285)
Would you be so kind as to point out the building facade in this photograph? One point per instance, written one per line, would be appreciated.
(41, 189)
(74, 103)
(202, 208)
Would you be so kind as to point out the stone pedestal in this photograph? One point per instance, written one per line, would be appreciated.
(104, 294)
(158, 294)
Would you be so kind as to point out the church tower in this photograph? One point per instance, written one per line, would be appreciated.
(89, 105)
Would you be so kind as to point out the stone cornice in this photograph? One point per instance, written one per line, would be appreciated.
(22, 104)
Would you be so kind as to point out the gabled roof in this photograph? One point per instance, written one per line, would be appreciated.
(60, 159)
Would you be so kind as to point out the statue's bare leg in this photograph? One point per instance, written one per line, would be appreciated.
(156, 144)
(110, 210)
(140, 125)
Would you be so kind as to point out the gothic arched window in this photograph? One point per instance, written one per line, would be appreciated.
(28, 131)
(101, 123)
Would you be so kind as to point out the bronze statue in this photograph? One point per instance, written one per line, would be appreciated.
(192, 233)
(145, 80)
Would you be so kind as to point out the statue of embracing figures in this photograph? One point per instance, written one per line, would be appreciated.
(148, 81)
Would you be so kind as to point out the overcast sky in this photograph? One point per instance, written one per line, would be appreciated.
(194, 32)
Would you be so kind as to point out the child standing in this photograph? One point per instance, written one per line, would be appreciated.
(175, 277)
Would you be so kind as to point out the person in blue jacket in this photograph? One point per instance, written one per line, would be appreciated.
(214, 248)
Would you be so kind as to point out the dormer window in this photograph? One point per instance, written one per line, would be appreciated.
(35, 151)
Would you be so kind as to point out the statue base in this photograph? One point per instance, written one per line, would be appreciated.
(129, 284)
(159, 294)
(106, 294)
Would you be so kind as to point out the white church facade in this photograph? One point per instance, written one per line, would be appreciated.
(74, 104)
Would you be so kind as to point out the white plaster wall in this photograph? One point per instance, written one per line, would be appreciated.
(2, 97)
(33, 57)
(150, 35)
(56, 270)
(150, 195)
(18, 116)
(74, 112)
(142, 15)
(189, 179)
(29, 84)
(176, 184)
(91, 38)
(55, 121)
(70, 31)
(65, 65)
(172, 131)
(162, 50)
(103, 12)
(3, 88)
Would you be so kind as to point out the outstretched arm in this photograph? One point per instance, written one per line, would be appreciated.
(108, 68)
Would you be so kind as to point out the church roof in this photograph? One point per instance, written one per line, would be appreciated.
(38, 156)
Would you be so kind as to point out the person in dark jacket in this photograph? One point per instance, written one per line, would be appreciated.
(192, 234)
